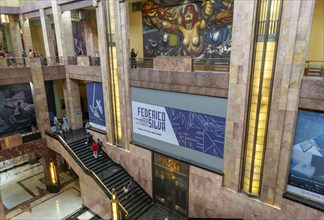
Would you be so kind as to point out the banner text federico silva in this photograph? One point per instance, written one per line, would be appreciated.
(151, 118)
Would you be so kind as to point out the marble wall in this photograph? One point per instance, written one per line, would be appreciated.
(180, 64)
(15, 75)
(208, 199)
(88, 73)
(202, 83)
(312, 94)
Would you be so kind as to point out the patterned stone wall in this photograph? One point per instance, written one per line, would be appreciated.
(312, 94)
(15, 75)
(202, 83)
(53, 72)
(179, 64)
(88, 73)
(208, 199)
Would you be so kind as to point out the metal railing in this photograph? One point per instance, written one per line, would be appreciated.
(146, 62)
(52, 61)
(72, 61)
(85, 168)
(94, 61)
(14, 62)
(314, 68)
(211, 64)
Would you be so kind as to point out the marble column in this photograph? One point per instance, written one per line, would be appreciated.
(90, 30)
(296, 23)
(47, 34)
(104, 64)
(27, 38)
(68, 33)
(51, 172)
(63, 31)
(243, 32)
(73, 103)
(15, 36)
(123, 48)
(39, 96)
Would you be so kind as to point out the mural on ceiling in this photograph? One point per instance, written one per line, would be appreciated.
(187, 28)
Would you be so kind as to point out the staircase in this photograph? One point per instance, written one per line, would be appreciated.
(112, 175)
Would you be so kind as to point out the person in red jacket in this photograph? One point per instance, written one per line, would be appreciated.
(94, 146)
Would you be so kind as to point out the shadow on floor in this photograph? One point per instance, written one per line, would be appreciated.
(158, 213)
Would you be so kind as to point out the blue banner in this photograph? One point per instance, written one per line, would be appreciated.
(195, 131)
(96, 105)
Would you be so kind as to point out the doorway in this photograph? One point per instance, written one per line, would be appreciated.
(171, 184)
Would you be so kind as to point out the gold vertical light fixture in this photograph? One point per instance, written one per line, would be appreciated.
(53, 173)
(266, 38)
(117, 129)
(114, 206)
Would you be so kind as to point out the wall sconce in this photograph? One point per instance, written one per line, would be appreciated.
(114, 206)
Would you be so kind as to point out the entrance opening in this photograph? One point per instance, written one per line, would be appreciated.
(171, 184)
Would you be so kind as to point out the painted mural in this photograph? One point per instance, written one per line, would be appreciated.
(187, 28)
(17, 111)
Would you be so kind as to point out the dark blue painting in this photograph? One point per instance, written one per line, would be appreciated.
(96, 105)
(306, 173)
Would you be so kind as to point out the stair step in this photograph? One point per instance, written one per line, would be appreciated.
(143, 210)
(95, 166)
(113, 176)
(103, 168)
(122, 197)
(77, 143)
(136, 205)
(84, 155)
(117, 182)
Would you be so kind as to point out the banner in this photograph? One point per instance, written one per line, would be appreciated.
(306, 174)
(192, 130)
(96, 105)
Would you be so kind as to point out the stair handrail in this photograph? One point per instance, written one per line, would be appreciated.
(59, 138)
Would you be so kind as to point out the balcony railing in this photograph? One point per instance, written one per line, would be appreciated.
(72, 61)
(146, 62)
(314, 68)
(94, 61)
(14, 62)
(211, 64)
(198, 64)
(52, 61)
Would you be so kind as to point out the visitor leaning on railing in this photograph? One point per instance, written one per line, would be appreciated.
(14, 62)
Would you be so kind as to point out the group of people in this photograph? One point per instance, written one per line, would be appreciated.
(96, 146)
(62, 128)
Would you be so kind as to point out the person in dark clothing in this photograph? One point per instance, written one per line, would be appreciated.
(89, 139)
(133, 58)
(24, 55)
(99, 142)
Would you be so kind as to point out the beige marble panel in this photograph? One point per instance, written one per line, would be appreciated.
(83, 61)
(180, 64)
(208, 199)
